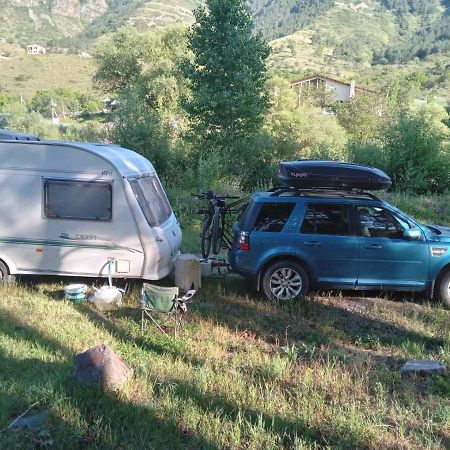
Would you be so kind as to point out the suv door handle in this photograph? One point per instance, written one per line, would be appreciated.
(313, 244)
(372, 247)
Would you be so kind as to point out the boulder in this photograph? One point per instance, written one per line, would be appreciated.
(423, 367)
(101, 365)
(31, 422)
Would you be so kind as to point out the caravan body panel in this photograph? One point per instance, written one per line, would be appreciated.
(41, 183)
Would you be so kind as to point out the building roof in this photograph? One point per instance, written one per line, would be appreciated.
(325, 78)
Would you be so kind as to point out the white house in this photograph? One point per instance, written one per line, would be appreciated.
(35, 49)
(341, 90)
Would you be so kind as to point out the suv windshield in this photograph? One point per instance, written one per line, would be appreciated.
(152, 199)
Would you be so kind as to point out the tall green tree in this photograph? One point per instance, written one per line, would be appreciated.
(227, 76)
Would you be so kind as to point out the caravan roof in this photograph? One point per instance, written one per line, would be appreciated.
(126, 162)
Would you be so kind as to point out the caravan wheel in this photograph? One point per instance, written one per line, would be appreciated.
(3, 272)
(5, 277)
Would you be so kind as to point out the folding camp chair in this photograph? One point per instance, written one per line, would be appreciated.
(165, 300)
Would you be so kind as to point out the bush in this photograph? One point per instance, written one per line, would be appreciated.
(416, 156)
(412, 151)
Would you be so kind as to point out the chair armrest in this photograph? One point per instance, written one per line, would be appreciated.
(189, 294)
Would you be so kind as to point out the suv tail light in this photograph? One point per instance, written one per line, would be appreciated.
(243, 242)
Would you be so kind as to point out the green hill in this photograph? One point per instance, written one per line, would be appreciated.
(346, 38)
(352, 28)
(25, 74)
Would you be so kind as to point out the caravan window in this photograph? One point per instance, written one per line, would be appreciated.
(152, 199)
(89, 200)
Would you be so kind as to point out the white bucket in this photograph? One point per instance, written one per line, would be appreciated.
(75, 292)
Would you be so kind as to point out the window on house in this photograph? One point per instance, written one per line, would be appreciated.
(67, 199)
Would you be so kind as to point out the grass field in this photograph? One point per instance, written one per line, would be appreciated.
(244, 374)
(26, 74)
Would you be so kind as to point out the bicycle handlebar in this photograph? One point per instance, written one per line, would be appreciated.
(212, 195)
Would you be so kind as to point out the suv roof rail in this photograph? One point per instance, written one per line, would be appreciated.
(277, 191)
(10, 135)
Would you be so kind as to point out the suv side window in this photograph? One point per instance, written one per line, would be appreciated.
(378, 222)
(324, 218)
(273, 216)
(321, 218)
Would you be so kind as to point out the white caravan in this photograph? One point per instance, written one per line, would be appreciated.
(79, 209)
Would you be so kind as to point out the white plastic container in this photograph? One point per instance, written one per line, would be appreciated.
(188, 272)
(107, 298)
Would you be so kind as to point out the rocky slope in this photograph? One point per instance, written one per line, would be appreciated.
(361, 31)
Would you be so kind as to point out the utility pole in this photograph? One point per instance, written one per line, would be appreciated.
(55, 118)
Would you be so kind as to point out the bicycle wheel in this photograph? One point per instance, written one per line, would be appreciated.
(217, 232)
(206, 236)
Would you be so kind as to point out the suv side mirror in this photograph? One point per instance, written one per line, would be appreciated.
(412, 235)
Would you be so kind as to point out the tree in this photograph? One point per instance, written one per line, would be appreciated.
(364, 116)
(5, 101)
(227, 76)
(143, 71)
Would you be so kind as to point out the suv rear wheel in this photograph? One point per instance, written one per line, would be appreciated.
(443, 288)
(285, 281)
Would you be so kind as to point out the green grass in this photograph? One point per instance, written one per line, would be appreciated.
(244, 373)
(425, 209)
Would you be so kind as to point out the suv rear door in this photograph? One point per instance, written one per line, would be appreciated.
(327, 241)
(272, 231)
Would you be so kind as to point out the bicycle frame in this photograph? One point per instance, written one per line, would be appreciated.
(215, 216)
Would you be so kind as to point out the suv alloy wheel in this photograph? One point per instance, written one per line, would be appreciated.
(443, 288)
(285, 281)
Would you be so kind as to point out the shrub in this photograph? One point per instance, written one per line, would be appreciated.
(415, 154)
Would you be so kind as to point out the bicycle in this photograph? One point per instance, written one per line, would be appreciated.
(216, 233)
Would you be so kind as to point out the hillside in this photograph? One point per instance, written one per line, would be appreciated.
(415, 28)
(46, 21)
(25, 74)
(346, 38)
(348, 41)
(52, 22)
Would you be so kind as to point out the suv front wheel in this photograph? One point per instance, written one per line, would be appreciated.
(444, 289)
(285, 281)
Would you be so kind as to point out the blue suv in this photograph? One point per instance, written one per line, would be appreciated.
(290, 240)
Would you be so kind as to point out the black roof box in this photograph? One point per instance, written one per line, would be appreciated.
(9, 135)
(309, 174)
